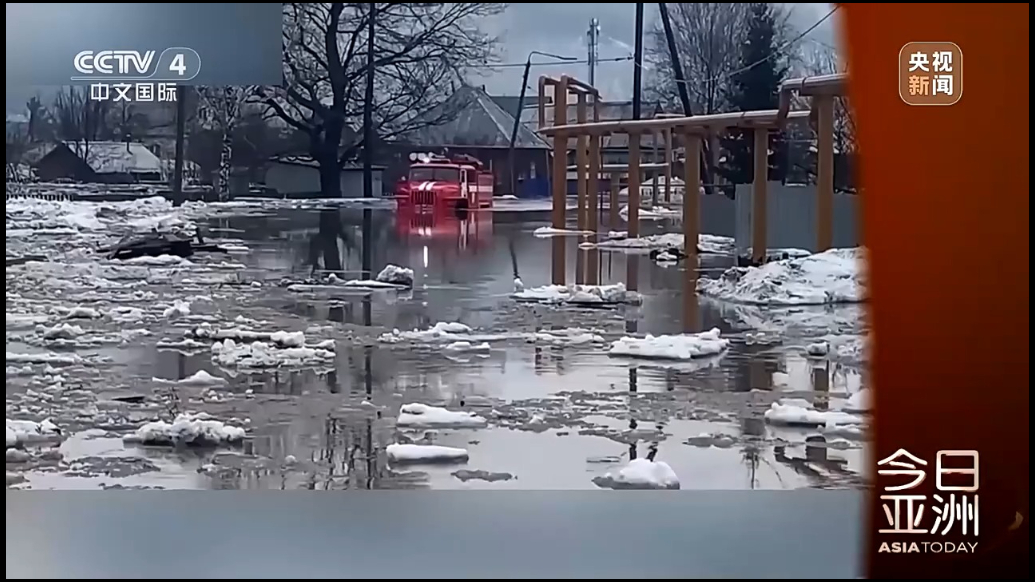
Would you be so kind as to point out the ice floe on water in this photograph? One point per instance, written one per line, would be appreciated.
(577, 294)
(799, 413)
(424, 416)
(259, 354)
(709, 244)
(44, 358)
(671, 347)
(23, 432)
(656, 213)
(199, 378)
(187, 430)
(831, 277)
(640, 474)
(467, 347)
(549, 231)
(410, 453)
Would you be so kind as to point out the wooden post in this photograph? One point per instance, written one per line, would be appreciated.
(560, 174)
(581, 167)
(634, 185)
(593, 213)
(691, 198)
(612, 205)
(668, 166)
(825, 171)
(759, 216)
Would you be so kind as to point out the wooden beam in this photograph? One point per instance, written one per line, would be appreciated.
(691, 199)
(581, 168)
(825, 173)
(634, 185)
(560, 176)
(759, 204)
(705, 123)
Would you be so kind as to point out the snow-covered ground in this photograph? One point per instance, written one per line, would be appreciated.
(831, 277)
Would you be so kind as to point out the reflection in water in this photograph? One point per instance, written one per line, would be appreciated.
(324, 244)
(821, 386)
(340, 443)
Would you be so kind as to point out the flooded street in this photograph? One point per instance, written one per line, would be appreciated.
(553, 408)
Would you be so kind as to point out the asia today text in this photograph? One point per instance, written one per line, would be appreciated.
(920, 519)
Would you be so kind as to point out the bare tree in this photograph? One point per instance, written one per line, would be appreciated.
(822, 59)
(80, 119)
(220, 109)
(707, 37)
(419, 49)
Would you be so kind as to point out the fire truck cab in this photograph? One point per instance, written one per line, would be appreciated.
(435, 183)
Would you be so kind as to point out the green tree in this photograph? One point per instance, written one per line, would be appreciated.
(756, 86)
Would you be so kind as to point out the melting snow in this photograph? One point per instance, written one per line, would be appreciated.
(578, 294)
(190, 430)
(834, 276)
(709, 244)
(465, 346)
(422, 415)
(263, 355)
(199, 378)
(406, 453)
(396, 275)
(791, 414)
(21, 432)
(860, 401)
(44, 358)
(671, 347)
(640, 474)
(548, 231)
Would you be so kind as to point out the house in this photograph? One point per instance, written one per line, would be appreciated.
(299, 177)
(614, 149)
(108, 162)
(480, 127)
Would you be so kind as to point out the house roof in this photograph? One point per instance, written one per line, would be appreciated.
(113, 157)
(609, 110)
(480, 122)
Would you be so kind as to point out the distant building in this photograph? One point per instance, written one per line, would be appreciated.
(480, 127)
(299, 176)
(99, 161)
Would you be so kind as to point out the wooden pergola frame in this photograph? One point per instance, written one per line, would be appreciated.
(693, 131)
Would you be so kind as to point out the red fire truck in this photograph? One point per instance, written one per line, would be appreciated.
(435, 183)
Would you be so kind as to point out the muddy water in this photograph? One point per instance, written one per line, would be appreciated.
(559, 416)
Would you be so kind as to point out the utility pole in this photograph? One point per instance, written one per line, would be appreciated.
(594, 49)
(368, 146)
(181, 124)
(638, 62)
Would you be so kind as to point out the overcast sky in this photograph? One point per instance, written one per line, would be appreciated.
(560, 28)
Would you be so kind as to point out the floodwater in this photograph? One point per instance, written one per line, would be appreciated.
(561, 415)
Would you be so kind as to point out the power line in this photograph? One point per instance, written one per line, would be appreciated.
(554, 63)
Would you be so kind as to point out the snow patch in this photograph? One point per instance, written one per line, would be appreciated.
(187, 430)
(640, 474)
(22, 432)
(199, 378)
(263, 355)
(579, 294)
(830, 277)
(44, 358)
(548, 231)
(671, 347)
(793, 414)
(422, 415)
(396, 275)
(466, 346)
(407, 453)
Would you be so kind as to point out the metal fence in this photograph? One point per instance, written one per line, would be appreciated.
(791, 217)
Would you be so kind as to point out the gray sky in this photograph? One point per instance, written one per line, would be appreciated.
(560, 28)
